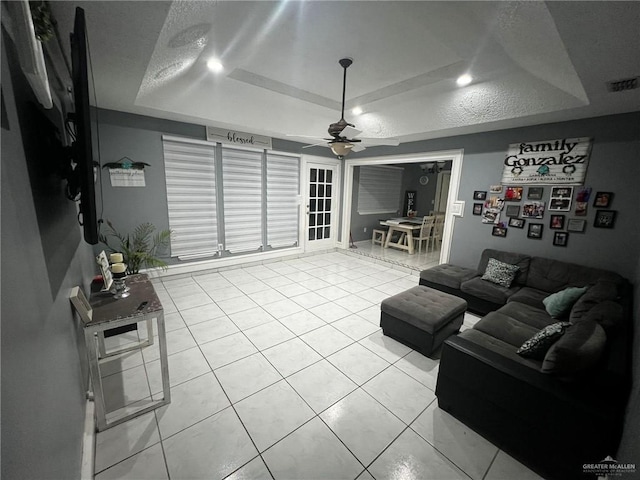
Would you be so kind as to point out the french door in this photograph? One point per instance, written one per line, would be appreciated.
(322, 198)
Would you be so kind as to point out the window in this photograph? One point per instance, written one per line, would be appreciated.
(379, 189)
(283, 210)
(191, 196)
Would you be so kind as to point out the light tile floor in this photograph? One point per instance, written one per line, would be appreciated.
(280, 371)
(417, 261)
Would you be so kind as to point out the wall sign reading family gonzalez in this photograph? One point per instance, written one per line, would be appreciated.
(556, 162)
(234, 137)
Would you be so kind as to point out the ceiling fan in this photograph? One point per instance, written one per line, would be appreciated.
(343, 134)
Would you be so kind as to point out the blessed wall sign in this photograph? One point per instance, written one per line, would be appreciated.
(234, 137)
(557, 162)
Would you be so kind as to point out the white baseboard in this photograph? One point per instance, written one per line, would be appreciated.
(89, 440)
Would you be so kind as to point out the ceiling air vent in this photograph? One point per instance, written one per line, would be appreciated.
(622, 85)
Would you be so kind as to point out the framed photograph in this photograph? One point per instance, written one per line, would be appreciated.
(495, 189)
(107, 278)
(535, 230)
(603, 199)
(605, 219)
(495, 202)
(516, 222)
(479, 195)
(490, 215)
(81, 304)
(581, 209)
(513, 210)
(513, 194)
(584, 194)
(535, 193)
(576, 225)
(560, 239)
(533, 209)
(499, 231)
(477, 209)
(560, 200)
(556, 222)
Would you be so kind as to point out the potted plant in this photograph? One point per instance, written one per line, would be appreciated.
(139, 248)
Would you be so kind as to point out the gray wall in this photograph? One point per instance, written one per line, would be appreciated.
(614, 166)
(44, 375)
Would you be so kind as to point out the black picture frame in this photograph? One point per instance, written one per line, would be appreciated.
(602, 199)
(513, 210)
(605, 218)
(499, 231)
(560, 239)
(477, 208)
(516, 222)
(576, 225)
(535, 230)
(480, 195)
(556, 222)
(535, 193)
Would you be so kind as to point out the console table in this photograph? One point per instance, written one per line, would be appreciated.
(142, 305)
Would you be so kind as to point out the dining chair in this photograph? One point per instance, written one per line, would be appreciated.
(438, 227)
(426, 232)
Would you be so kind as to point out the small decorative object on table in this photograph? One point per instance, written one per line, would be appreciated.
(120, 289)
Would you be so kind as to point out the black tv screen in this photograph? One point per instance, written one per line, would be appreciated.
(82, 146)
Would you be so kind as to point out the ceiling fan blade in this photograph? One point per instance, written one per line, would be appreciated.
(315, 137)
(392, 142)
(350, 132)
(357, 147)
(321, 144)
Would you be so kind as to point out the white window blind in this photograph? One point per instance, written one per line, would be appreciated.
(379, 189)
(242, 193)
(283, 177)
(191, 196)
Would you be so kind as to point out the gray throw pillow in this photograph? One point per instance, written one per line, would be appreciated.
(500, 273)
(537, 346)
(579, 348)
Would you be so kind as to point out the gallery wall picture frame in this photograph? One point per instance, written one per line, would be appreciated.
(602, 199)
(581, 209)
(480, 195)
(535, 230)
(560, 239)
(513, 210)
(533, 209)
(516, 222)
(535, 193)
(556, 222)
(499, 231)
(560, 200)
(495, 189)
(576, 225)
(605, 218)
(513, 194)
(477, 208)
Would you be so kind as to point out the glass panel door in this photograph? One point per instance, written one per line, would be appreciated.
(321, 225)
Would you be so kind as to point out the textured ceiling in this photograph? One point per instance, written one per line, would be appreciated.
(532, 62)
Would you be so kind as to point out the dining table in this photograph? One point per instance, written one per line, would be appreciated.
(405, 226)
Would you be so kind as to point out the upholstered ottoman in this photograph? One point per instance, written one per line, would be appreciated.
(422, 317)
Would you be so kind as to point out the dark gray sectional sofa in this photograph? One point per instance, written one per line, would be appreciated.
(555, 413)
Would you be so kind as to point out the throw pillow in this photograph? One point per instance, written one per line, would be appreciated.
(579, 348)
(500, 273)
(559, 304)
(537, 346)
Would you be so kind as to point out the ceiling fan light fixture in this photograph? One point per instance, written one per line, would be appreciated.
(356, 111)
(341, 149)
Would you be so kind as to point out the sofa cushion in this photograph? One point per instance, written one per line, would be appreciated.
(559, 304)
(579, 348)
(529, 296)
(599, 292)
(506, 328)
(500, 273)
(538, 345)
(553, 275)
(607, 314)
(488, 290)
(448, 274)
(498, 346)
(512, 258)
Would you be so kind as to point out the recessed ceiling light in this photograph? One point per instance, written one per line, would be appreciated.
(464, 80)
(214, 65)
(357, 111)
